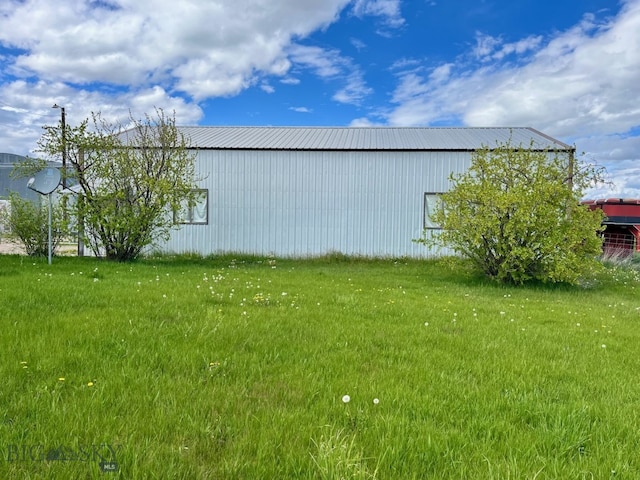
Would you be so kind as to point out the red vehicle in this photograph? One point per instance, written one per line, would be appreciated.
(622, 225)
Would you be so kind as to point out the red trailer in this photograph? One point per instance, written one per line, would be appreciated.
(622, 225)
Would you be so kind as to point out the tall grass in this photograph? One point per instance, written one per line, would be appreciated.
(238, 368)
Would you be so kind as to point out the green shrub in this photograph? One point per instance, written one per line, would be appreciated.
(28, 223)
(516, 214)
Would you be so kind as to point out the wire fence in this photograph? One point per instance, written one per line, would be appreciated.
(618, 244)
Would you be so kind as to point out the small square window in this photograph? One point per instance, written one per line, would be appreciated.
(196, 213)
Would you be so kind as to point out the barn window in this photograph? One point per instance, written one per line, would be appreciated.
(432, 203)
(198, 212)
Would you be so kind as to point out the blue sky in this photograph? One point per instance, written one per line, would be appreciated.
(570, 69)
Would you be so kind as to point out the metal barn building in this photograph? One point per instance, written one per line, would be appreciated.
(298, 191)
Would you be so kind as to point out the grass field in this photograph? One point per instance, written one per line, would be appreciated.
(241, 369)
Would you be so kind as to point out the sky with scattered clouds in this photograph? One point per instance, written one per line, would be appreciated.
(568, 68)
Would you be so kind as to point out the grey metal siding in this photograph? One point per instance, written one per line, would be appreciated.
(9, 184)
(305, 203)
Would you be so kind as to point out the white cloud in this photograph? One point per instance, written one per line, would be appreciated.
(364, 122)
(331, 65)
(265, 87)
(389, 10)
(406, 64)
(354, 91)
(441, 74)
(619, 155)
(9, 108)
(485, 45)
(204, 48)
(358, 44)
(324, 63)
(489, 48)
(301, 109)
(519, 47)
(624, 181)
(31, 104)
(290, 81)
(579, 85)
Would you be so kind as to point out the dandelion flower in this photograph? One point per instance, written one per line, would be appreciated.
(61, 379)
(346, 399)
(376, 401)
(90, 384)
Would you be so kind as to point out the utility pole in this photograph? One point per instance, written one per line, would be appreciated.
(63, 122)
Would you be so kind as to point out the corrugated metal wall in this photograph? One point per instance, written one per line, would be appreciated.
(18, 185)
(8, 184)
(305, 203)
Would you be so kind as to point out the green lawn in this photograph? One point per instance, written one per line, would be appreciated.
(225, 369)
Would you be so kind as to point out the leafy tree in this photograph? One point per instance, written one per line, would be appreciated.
(516, 214)
(129, 181)
(28, 222)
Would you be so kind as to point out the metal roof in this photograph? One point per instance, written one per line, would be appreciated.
(367, 138)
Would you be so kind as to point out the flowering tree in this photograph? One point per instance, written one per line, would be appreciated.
(128, 180)
(516, 214)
